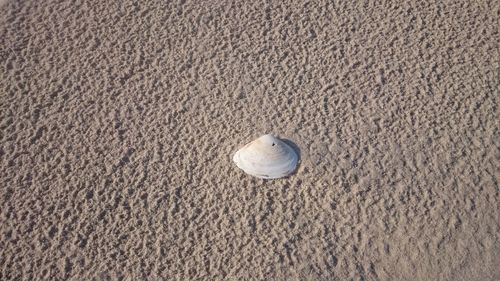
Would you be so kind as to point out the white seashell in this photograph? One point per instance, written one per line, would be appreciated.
(267, 157)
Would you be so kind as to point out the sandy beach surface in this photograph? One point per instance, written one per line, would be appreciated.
(118, 120)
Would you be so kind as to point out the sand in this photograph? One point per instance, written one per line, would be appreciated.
(118, 120)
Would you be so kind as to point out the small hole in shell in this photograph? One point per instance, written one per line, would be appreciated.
(274, 144)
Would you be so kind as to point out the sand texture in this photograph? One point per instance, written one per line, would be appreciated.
(118, 121)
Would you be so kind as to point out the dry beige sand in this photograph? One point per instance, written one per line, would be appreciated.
(118, 120)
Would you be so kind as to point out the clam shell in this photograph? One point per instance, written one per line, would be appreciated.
(266, 157)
